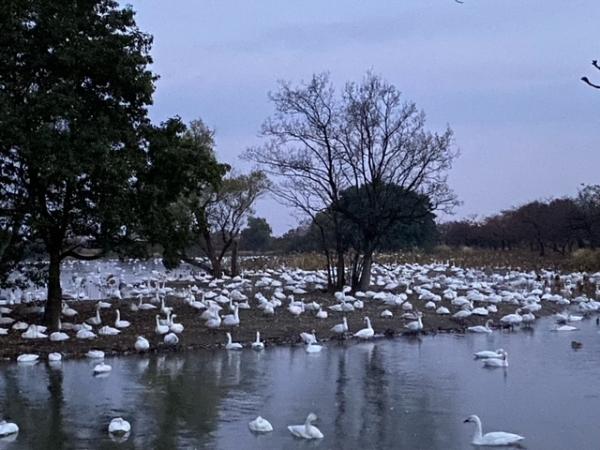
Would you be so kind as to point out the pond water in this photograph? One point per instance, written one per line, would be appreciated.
(401, 394)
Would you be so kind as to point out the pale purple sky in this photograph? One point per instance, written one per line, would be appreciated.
(503, 73)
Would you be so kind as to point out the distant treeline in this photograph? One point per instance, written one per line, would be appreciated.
(559, 225)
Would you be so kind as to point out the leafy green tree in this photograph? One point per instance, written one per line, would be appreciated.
(257, 235)
(74, 91)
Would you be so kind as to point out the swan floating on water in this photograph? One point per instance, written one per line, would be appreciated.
(497, 362)
(481, 328)
(8, 428)
(118, 425)
(260, 425)
(27, 358)
(306, 431)
(313, 348)
(54, 357)
(258, 345)
(102, 368)
(486, 354)
(232, 345)
(493, 439)
(95, 354)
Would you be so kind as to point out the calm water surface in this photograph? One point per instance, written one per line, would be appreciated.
(401, 394)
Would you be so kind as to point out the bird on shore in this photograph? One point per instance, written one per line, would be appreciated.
(142, 344)
(232, 345)
(258, 345)
(365, 333)
(340, 328)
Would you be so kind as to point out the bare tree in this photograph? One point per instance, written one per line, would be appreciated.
(219, 216)
(367, 140)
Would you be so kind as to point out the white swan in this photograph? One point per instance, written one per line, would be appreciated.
(174, 326)
(171, 339)
(258, 345)
(160, 329)
(493, 439)
(306, 431)
(485, 354)
(59, 336)
(232, 345)
(8, 428)
(481, 328)
(386, 314)
(95, 320)
(95, 354)
(365, 333)
(309, 338)
(497, 362)
(118, 425)
(27, 358)
(85, 334)
(54, 357)
(416, 325)
(260, 425)
(565, 328)
(214, 321)
(141, 344)
(121, 323)
(108, 331)
(102, 368)
(313, 348)
(232, 320)
(340, 328)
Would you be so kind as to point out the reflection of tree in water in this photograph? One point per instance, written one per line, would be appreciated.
(181, 400)
(40, 426)
(381, 406)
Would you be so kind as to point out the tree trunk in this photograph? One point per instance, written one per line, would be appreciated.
(54, 302)
(217, 270)
(365, 275)
(234, 258)
(340, 271)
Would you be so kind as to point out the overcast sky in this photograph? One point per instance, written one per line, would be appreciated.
(504, 74)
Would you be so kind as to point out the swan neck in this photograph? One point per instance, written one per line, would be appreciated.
(478, 431)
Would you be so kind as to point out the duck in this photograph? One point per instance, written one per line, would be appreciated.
(121, 323)
(481, 328)
(142, 344)
(260, 425)
(171, 339)
(365, 333)
(497, 362)
(102, 368)
(416, 325)
(118, 425)
(175, 327)
(258, 345)
(160, 329)
(493, 439)
(307, 430)
(8, 428)
(232, 345)
(340, 328)
(485, 354)
(576, 345)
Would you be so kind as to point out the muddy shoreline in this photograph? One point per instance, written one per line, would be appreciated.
(281, 329)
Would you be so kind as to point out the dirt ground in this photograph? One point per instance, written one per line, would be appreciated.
(282, 328)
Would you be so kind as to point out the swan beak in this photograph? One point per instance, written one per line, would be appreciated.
(466, 420)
